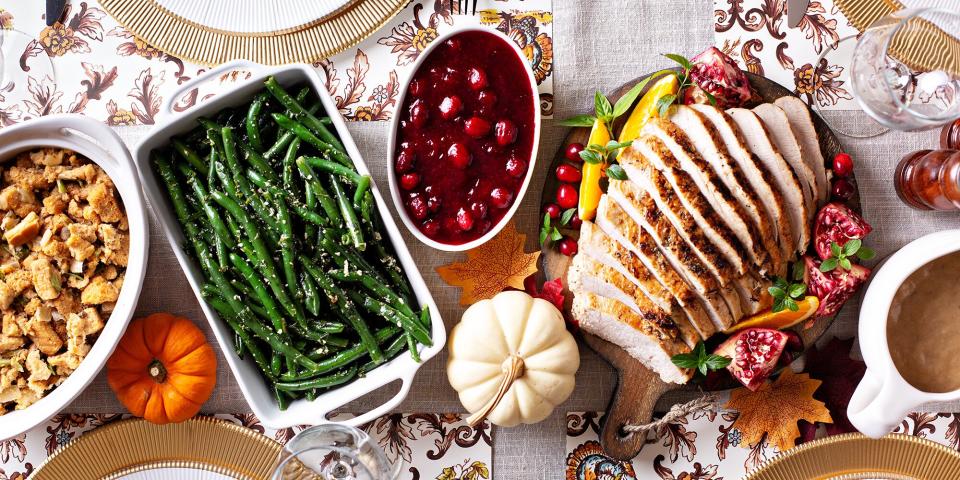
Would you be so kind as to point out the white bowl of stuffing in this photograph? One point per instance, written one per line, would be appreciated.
(73, 243)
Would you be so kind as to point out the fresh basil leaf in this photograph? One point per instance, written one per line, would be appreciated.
(616, 172)
(589, 156)
(679, 59)
(602, 105)
(543, 236)
(835, 249)
(852, 246)
(791, 304)
(614, 145)
(716, 362)
(797, 290)
(578, 121)
(546, 220)
(684, 360)
(777, 305)
(845, 263)
(829, 264)
(555, 235)
(700, 350)
(567, 215)
(777, 292)
(623, 103)
(798, 270)
(780, 283)
(663, 104)
(866, 253)
(711, 98)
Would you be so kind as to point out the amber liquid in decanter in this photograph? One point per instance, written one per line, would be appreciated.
(930, 179)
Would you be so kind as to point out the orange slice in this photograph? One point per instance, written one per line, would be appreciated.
(779, 320)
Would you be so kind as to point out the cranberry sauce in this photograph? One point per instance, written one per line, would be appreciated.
(465, 139)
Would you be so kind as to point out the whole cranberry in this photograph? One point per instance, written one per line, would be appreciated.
(416, 87)
(842, 164)
(433, 203)
(431, 228)
(567, 246)
(418, 208)
(478, 209)
(454, 45)
(567, 196)
(553, 210)
(476, 127)
(450, 107)
(405, 161)
(568, 173)
(516, 167)
(418, 114)
(476, 78)
(575, 221)
(843, 189)
(506, 132)
(409, 181)
(573, 152)
(487, 98)
(459, 155)
(501, 197)
(464, 220)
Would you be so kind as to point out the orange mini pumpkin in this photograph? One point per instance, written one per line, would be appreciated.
(163, 369)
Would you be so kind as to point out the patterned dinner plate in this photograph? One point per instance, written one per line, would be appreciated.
(855, 457)
(201, 449)
(270, 32)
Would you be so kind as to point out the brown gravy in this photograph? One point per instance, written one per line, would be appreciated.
(923, 327)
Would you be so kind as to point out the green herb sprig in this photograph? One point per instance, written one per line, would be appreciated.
(550, 230)
(841, 255)
(786, 293)
(699, 360)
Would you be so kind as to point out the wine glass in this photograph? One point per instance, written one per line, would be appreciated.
(334, 452)
(905, 69)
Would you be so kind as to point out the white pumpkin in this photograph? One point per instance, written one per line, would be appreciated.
(512, 359)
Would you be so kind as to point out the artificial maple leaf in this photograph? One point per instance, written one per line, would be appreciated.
(775, 409)
(492, 267)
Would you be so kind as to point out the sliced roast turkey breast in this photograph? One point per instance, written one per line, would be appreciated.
(589, 275)
(759, 177)
(616, 323)
(709, 145)
(799, 116)
(759, 141)
(780, 130)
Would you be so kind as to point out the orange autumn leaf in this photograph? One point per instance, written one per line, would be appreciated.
(776, 407)
(492, 267)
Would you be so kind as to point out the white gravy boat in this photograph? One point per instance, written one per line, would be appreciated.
(883, 398)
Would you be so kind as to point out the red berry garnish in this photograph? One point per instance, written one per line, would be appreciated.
(506, 132)
(567, 196)
(418, 114)
(516, 167)
(459, 155)
(843, 189)
(478, 209)
(405, 161)
(464, 220)
(501, 197)
(842, 164)
(476, 127)
(409, 181)
(575, 221)
(431, 228)
(433, 203)
(568, 173)
(567, 246)
(553, 210)
(476, 78)
(573, 152)
(487, 98)
(418, 207)
(450, 107)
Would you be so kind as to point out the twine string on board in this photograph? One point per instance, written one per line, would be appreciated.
(703, 404)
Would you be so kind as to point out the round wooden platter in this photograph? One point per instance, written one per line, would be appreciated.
(638, 388)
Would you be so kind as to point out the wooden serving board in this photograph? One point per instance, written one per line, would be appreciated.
(638, 388)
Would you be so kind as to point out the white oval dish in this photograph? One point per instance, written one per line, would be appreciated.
(394, 130)
(103, 147)
(251, 382)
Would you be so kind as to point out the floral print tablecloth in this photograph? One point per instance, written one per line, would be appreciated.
(432, 446)
(101, 70)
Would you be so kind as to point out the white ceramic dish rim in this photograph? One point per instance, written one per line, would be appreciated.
(251, 383)
(394, 130)
(102, 146)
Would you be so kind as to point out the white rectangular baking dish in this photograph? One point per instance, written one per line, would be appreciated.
(248, 377)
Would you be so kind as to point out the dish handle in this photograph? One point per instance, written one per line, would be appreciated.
(95, 135)
(177, 93)
(877, 407)
(406, 381)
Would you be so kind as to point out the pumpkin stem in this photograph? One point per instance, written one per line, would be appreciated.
(514, 368)
(157, 371)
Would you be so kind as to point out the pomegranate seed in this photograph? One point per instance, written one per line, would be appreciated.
(450, 107)
(567, 246)
(567, 196)
(417, 207)
(478, 209)
(573, 152)
(476, 78)
(454, 45)
(575, 221)
(843, 189)
(433, 203)
(568, 173)
(409, 181)
(464, 220)
(405, 161)
(487, 98)
(416, 88)
(476, 127)
(459, 155)
(553, 210)
(418, 114)
(842, 164)
(431, 228)
(506, 132)
(516, 167)
(501, 197)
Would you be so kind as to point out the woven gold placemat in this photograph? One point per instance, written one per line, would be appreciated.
(311, 41)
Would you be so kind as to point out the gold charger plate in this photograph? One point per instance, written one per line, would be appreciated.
(313, 40)
(135, 445)
(854, 457)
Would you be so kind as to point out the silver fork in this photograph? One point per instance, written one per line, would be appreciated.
(462, 7)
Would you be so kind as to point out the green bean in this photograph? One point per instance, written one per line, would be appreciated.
(241, 333)
(285, 137)
(244, 191)
(312, 300)
(362, 186)
(189, 155)
(344, 357)
(349, 215)
(300, 209)
(328, 381)
(306, 117)
(276, 362)
(283, 402)
(288, 165)
(335, 168)
(410, 325)
(259, 163)
(377, 288)
(216, 222)
(253, 115)
(412, 346)
(209, 124)
(425, 319)
(246, 271)
(339, 300)
(392, 350)
(326, 202)
(306, 135)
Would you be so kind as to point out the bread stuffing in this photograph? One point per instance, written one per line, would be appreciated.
(62, 261)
